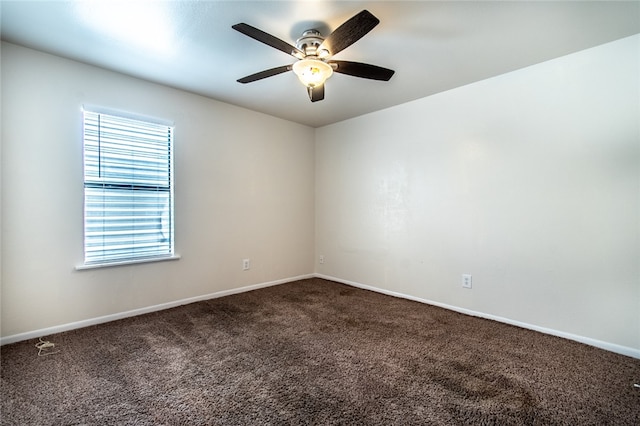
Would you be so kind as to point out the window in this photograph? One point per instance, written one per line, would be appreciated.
(128, 198)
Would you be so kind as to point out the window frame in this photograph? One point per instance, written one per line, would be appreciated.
(132, 186)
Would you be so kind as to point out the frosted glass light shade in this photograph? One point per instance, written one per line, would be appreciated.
(312, 72)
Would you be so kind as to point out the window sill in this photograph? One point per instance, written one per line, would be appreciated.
(127, 262)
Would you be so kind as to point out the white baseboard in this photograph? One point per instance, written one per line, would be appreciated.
(113, 317)
(611, 347)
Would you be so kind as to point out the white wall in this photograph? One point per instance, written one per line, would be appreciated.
(244, 188)
(530, 181)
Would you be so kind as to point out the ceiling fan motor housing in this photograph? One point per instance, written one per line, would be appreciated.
(309, 43)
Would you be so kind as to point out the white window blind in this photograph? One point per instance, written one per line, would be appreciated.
(128, 199)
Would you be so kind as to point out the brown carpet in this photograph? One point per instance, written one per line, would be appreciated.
(315, 352)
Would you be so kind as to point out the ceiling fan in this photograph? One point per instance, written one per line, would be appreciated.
(313, 52)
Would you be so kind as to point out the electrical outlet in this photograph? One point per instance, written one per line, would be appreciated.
(322, 258)
(466, 281)
(246, 264)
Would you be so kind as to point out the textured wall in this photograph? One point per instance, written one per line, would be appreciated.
(529, 181)
(243, 189)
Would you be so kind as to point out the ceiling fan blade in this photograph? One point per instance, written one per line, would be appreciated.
(349, 32)
(268, 39)
(316, 93)
(358, 69)
(264, 74)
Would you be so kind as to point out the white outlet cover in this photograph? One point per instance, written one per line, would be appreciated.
(467, 280)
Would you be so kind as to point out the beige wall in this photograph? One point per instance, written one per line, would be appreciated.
(529, 181)
(244, 186)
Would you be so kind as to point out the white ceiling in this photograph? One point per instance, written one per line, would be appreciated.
(432, 45)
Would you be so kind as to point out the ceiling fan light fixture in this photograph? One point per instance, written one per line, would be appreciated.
(312, 72)
(314, 52)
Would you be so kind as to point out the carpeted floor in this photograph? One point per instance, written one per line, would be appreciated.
(315, 352)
